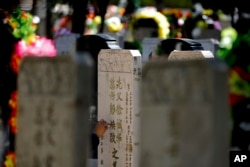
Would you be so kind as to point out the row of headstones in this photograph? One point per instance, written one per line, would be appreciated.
(165, 114)
(70, 44)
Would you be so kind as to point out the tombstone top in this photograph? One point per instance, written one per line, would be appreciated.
(187, 55)
(66, 44)
(94, 43)
(104, 41)
(209, 44)
(171, 44)
(149, 44)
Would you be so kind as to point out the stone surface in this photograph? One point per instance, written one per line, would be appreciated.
(119, 75)
(185, 119)
(148, 46)
(209, 44)
(190, 55)
(66, 44)
(53, 104)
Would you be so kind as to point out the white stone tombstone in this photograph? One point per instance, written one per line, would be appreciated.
(190, 55)
(66, 44)
(53, 104)
(119, 75)
(185, 120)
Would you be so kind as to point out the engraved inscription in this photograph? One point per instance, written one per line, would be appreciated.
(46, 76)
(119, 62)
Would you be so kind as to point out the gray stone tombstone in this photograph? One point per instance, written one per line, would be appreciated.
(185, 119)
(119, 76)
(148, 46)
(209, 44)
(53, 105)
(66, 44)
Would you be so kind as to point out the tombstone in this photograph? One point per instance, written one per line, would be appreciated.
(119, 75)
(94, 43)
(148, 45)
(166, 46)
(186, 117)
(182, 44)
(53, 104)
(66, 44)
(189, 55)
(119, 36)
(209, 44)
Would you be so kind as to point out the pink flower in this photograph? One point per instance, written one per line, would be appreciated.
(42, 46)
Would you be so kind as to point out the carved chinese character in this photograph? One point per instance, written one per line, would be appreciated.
(50, 116)
(114, 163)
(38, 117)
(112, 138)
(112, 109)
(50, 139)
(119, 83)
(112, 95)
(119, 137)
(129, 148)
(114, 152)
(134, 71)
(119, 124)
(119, 109)
(118, 97)
(128, 85)
(126, 98)
(49, 160)
(112, 125)
(38, 137)
(112, 83)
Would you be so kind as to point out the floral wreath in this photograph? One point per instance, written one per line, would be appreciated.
(151, 13)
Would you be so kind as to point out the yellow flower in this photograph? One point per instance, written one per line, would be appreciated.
(97, 20)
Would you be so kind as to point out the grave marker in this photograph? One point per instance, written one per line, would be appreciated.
(209, 44)
(66, 44)
(148, 46)
(186, 117)
(119, 75)
(53, 105)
